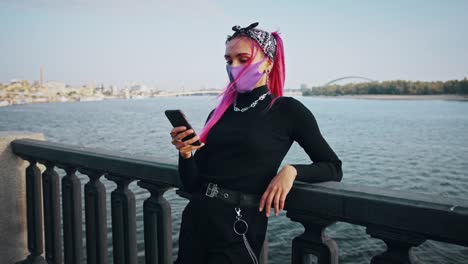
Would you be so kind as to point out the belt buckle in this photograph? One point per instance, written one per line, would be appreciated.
(211, 190)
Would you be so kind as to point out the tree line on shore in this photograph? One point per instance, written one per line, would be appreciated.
(401, 87)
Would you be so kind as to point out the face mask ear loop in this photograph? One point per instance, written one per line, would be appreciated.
(267, 72)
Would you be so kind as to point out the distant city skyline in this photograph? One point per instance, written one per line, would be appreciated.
(174, 44)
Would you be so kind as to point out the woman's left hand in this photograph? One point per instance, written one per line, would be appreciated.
(277, 190)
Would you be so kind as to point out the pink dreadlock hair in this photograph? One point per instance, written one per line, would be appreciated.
(275, 84)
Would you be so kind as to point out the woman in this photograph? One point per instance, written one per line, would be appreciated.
(233, 175)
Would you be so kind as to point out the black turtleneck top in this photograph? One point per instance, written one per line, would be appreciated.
(243, 150)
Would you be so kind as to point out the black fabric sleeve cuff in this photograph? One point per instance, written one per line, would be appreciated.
(319, 171)
(188, 173)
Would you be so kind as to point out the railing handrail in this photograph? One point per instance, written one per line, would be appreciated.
(444, 219)
(116, 163)
(400, 212)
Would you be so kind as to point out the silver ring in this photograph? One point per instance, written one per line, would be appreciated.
(240, 221)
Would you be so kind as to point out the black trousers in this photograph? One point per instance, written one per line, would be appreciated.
(207, 234)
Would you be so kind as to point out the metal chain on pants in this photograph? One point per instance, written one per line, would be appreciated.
(247, 245)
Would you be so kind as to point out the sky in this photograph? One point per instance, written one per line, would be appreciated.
(175, 45)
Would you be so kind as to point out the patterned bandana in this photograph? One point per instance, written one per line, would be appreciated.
(263, 38)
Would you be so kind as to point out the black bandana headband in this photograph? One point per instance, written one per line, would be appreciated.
(263, 38)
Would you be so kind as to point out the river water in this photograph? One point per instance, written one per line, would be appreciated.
(417, 146)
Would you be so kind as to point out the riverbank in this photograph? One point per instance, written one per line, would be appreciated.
(5, 103)
(451, 97)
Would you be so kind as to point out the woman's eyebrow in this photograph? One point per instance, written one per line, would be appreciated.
(227, 56)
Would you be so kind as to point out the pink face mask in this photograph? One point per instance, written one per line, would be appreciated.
(249, 78)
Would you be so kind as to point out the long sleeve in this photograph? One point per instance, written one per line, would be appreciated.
(326, 165)
(188, 170)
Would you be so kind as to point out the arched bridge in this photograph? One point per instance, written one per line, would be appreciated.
(349, 77)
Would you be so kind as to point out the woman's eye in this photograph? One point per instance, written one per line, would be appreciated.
(244, 60)
(229, 62)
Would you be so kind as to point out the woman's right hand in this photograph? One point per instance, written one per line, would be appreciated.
(184, 147)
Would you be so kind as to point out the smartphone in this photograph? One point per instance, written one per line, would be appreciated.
(177, 118)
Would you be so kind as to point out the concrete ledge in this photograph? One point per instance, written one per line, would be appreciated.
(13, 228)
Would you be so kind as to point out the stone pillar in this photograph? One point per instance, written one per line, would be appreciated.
(13, 228)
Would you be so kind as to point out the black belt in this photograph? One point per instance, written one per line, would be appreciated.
(213, 190)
